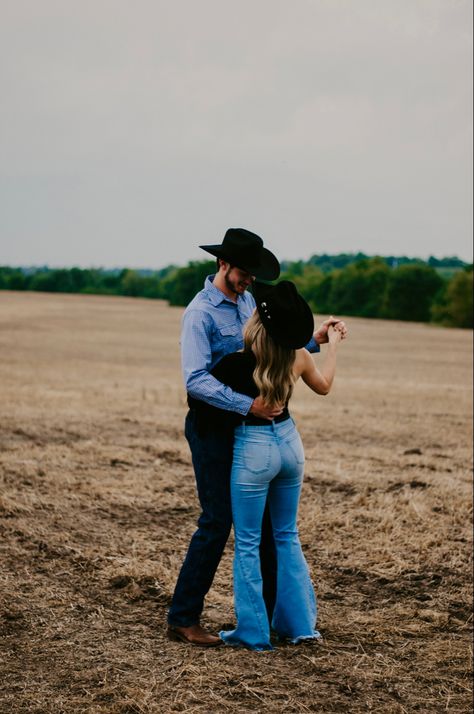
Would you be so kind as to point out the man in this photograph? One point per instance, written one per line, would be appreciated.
(212, 327)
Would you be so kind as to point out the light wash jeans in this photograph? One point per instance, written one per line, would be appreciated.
(269, 462)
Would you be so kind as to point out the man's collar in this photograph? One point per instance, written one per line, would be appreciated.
(215, 295)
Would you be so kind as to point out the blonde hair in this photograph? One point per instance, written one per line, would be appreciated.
(273, 374)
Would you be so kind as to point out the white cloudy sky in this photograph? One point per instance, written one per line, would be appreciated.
(131, 132)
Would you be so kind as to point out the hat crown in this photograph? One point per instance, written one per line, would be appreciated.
(242, 245)
(245, 250)
(284, 313)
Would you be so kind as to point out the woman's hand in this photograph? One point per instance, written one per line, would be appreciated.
(335, 334)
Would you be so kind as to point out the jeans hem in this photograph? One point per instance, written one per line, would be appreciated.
(182, 623)
(239, 644)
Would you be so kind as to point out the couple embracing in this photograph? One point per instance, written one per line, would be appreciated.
(241, 356)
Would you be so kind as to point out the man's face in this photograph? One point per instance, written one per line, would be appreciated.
(237, 280)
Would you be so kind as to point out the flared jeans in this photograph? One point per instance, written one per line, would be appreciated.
(268, 463)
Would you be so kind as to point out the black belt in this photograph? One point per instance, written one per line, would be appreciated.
(255, 421)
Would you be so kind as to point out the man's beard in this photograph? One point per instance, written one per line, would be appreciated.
(230, 284)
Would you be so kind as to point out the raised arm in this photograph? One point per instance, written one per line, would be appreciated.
(320, 381)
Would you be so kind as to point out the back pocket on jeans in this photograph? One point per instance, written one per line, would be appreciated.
(257, 457)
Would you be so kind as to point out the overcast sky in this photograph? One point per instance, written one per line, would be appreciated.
(132, 132)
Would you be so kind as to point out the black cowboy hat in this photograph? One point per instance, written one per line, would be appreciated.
(286, 316)
(245, 250)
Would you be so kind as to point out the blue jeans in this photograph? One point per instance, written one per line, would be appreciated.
(211, 451)
(269, 462)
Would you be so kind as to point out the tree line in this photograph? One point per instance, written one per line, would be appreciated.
(437, 290)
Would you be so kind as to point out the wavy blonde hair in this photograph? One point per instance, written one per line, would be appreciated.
(273, 374)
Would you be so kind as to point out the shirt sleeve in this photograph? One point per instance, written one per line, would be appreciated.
(196, 362)
(313, 346)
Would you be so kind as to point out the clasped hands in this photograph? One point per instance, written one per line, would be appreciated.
(321, 336)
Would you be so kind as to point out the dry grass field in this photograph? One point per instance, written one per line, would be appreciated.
(97, 506)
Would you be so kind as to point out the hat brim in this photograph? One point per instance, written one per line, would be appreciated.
(268, 268)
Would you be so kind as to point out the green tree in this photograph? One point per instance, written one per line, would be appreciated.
(16, 280)
(53, 281)
(181, 286)
(152, 287)
(307, 280)
(131, 283)
(410, 292)
(359, 288)
(455, 307)
(105, 282)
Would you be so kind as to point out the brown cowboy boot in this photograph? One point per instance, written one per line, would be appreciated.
(194, 635)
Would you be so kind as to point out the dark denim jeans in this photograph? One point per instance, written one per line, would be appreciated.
(212, 452)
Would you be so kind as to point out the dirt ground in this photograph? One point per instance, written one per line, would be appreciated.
(97, 505)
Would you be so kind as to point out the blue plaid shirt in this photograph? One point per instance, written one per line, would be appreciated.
(212, 327)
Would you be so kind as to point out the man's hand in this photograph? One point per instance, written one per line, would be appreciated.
(262, 411)
(321, 334)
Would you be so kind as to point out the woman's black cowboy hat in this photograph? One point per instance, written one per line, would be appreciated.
(245, 250)
(286, 316)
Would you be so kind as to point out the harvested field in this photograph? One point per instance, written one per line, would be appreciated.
(97, 506)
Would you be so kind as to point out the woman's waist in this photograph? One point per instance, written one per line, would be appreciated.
(251, 420)
(270, 430)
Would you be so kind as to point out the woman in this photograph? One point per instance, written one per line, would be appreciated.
(269, 462)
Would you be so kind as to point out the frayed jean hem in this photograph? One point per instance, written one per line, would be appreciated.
(302, 638)
(226, 637)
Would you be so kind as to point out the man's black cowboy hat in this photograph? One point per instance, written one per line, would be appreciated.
(286, 316)
(245, 250)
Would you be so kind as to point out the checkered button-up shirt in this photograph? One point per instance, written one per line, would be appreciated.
(212, 327)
